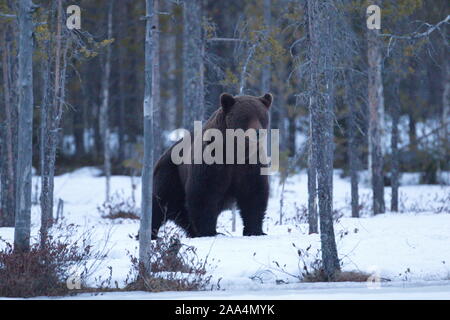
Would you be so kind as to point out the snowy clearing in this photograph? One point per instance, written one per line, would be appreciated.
(409, 251)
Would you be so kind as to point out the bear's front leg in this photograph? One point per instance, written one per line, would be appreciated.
(203, 212)
(205, 193)
(252, 198)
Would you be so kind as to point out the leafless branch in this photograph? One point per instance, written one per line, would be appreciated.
(6, 15)
(418, 35)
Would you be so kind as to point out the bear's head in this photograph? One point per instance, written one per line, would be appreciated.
(246, 112)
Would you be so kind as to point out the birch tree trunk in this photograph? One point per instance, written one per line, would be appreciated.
(25, 132)
(394, 147)
(156, 84)
(104, 109)
(145, 229)
(122, 75)
(8, 200)
(193, 65)
(446, 114)
(352, 150)
(266, 72)
(321, 108)
(51, 114)
(376, 111)
(312, 182)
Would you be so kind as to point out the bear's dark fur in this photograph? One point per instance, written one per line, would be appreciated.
(193, 195)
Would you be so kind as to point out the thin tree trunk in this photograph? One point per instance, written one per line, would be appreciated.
(352, 150)
(312, 180)
(46, 197)
(446, 114)
(104, 109)
(292, 130)
(50, 122)
(321, 108)
(25, 132)
(145, 229)
(122, 79)
(193, 65)
(179, 79)
(376, 107)
(8, 201)
(394, 146)
(267, 73)
(156, 84)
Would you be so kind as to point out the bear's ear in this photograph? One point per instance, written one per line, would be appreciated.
(267, 100)
(227, 101)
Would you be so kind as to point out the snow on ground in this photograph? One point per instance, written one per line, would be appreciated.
(317, 291)
(410, 248)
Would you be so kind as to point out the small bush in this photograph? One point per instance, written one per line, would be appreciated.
(45, 268)
(174, 267)
(119, 207)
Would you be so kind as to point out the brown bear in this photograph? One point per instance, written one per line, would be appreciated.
(193, 195)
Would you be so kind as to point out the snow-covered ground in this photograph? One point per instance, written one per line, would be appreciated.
(409, 250)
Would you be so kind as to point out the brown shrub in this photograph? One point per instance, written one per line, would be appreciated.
(174, 267)
(46, 267)
(119, 207)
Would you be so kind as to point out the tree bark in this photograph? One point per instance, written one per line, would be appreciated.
(394, 146)
(193, 65)
(156, 84)
(352, 150)
(376, 110)
(8, 201)
(122, 78)
(446, 113)
(145, 229)
(312, 183)
(51, 115)
(25, 132)
(321, 107)
(179, 79)
(104, 109)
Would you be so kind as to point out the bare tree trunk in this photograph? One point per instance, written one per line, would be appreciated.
(145, 229)
(446, 114)
(376, 108)
(25, 133)
(179, 79)
(156, 84)
(104, 108)
(352, 149)
(51, 115)
(122, 88)
(193, 65)
(292, 130)
(266, 72)
(394, 146)
(8, 201)
(46, 197)
(321, 108)
(312, 183)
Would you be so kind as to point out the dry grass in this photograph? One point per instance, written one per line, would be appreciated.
(174, 267)
(119, 207)
(341, 276)
(45, 268)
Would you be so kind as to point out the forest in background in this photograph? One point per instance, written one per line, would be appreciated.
(239, 54)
